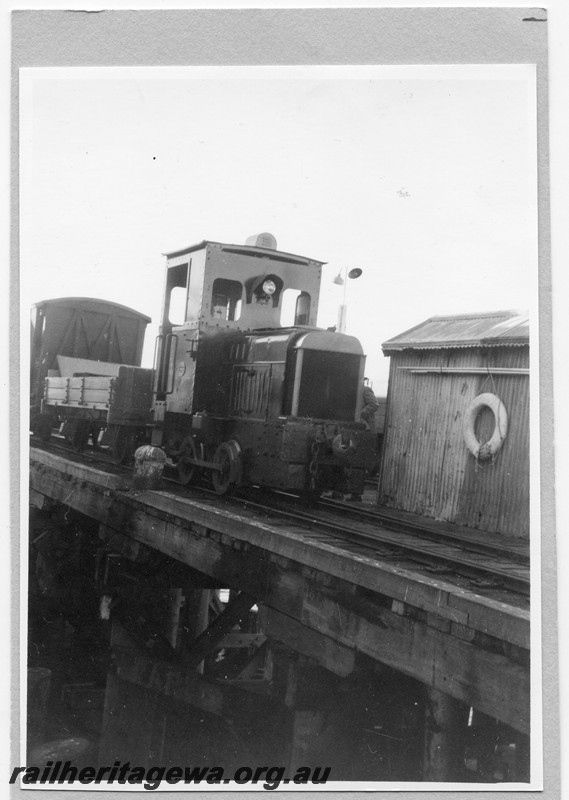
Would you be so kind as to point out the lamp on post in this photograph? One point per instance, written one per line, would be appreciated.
(342, 280)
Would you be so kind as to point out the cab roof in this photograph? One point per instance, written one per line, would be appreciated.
(243, 249)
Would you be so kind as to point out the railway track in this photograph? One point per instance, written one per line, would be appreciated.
(474, 541)
(487, 567)
(499, 568)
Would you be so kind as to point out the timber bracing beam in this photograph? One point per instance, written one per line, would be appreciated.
(173, 679)
(236, 609)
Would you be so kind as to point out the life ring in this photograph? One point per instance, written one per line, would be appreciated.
(483, 452)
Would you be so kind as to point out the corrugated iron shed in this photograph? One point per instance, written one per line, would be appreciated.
(437, 369)
(494, 329)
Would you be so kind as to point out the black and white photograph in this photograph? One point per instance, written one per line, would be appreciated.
(282, 315)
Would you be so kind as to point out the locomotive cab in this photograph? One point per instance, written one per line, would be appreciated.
(214, 292)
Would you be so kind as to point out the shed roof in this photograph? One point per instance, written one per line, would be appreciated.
(493, 329)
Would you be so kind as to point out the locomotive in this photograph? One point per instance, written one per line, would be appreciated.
(245, 388)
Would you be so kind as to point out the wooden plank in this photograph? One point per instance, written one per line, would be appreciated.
(485, 680)
(330, 654)
(74, 469)
(489, 682)
(445, 724)
(186, 686)
(446, 599)
(173, 679)
(37, 500)
(308, 725)
(458, 605)
(159, 676)
(69, 366)
(242, 640)
(451, 602)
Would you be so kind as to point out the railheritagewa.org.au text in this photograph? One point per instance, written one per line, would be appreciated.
(55, 773)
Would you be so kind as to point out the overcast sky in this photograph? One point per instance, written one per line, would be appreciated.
(424, 177)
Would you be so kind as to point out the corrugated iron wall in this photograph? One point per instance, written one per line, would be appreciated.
(426, 467)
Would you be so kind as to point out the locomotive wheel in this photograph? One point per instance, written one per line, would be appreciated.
(186, 470)
(228, 458)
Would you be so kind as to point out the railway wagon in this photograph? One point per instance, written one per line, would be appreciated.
(90, 350)
(247, 387)
(456, 440)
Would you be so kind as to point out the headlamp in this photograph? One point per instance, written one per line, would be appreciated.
(269, 287)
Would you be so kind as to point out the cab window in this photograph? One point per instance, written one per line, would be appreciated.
(176, 294)
(226, 300)
(295, 308)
